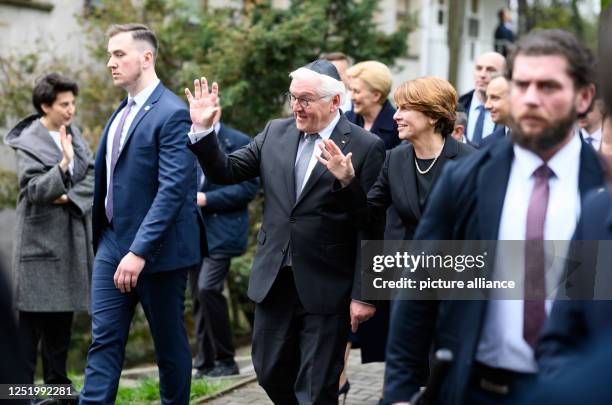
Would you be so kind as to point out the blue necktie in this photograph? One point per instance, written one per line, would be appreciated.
(477, 134)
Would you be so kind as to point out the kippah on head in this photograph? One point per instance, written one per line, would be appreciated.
(324, 67)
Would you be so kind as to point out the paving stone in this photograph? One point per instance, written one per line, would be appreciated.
(366, 385)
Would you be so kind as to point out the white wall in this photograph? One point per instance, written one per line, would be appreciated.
(428, 47)
(25, 30)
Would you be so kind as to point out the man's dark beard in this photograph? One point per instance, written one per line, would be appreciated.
(548, 138)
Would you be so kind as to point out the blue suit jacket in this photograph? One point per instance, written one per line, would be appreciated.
(154, 195)
(497, 134)
(226, 213)
(465, 204)
(574, 324)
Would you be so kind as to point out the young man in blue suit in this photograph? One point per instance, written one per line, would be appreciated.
(146, 229)
(530, 188)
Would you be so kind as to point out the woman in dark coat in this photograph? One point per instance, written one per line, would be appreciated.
(53, 253)
(370, 84)
(425, 118)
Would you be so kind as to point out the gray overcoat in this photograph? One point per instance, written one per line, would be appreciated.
(53, 254)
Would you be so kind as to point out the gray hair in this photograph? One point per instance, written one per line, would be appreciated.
(461, 118)
(328, 86)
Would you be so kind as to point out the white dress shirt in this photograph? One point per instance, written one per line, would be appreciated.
(56, 138)
(595, 136)
(501, 342)
(325, 133)
(139, 102)
(488, 125)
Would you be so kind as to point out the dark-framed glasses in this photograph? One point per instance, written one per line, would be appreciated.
(302, 102)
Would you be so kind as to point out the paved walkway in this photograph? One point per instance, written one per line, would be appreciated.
(366, 384)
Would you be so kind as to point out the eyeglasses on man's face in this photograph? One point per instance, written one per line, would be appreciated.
(302, 101)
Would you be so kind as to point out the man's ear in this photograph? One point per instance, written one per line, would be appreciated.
(584, 98)
(336, 102)
(149, 59)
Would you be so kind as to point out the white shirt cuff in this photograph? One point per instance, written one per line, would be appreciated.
(194, 137)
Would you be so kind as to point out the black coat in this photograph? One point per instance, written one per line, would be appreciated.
(504, 38)
(465, 101)
(324, 242)
(466, 204)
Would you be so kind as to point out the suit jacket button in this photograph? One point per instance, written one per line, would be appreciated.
(292, 220)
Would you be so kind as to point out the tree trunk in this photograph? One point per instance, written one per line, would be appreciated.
(577, 20)
(456, 21)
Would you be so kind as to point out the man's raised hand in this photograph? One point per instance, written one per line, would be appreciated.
(339, 165)
(203, 105)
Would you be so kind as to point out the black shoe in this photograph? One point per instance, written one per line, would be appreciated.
(203, 372)
(344, 390)
(224, 368)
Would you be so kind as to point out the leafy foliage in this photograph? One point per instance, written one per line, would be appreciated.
(564, 14)
(250, 51)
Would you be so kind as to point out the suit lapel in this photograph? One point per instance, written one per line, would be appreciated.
(144, 110)
(341, 139)
(492, 182)
(591, 174)
(409, 183)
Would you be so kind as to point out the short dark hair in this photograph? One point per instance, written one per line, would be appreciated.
(140, 32)
(46, 90)
(580, 59)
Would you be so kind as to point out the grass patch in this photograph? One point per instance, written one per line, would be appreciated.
(147, 390)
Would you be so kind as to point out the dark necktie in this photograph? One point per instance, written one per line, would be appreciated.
(534, 312)
(477, 134)
(114, 157)
(301, 165)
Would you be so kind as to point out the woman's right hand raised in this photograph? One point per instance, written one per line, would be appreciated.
(336, 162)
